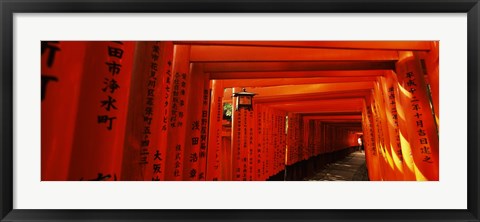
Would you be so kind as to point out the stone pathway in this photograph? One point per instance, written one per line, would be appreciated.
(351, 168)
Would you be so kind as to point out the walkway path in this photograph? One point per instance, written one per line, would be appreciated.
(351, 168)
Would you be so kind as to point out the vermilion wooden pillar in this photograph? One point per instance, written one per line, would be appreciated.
(204, 127)
(305, 135)
(323, 146)
(62, 69)
(236, 136)
(177, 127)
(293, 133)
(281, 146)
(338, 138)
(328, 140)
(352, 139)
(367, 144)
(377, 158)
(391, 173)
(333, 136)
(275, 142)
(283, 140)
(278, 144)
(280, 141)
(370, 153)
(390, 88)
(289, 140)
(410, 168)
(418, 116)
(252, 149)
(226, 157)
(257, 148)
(166, 100)
(301, 142)
(214, 149)
(430, 62)
(100, 125)
(294, 130)
(143, 156)
(261, 142)
(311, 137)
(194, 120)
(383, 164)
(300, 138)
(317, 137)
(266, 139)
(244, 143)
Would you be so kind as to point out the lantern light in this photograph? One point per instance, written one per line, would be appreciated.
(244, 100)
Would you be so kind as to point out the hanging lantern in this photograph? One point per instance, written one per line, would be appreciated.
(244, 100)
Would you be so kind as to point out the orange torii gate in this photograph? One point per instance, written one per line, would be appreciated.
(312, 98)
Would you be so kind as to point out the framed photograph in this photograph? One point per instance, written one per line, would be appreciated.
(230, 110)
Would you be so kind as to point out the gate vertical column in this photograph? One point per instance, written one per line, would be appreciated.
(214, 149)
(178, 111)
(62, 69)
(103, 103)
(418, 116)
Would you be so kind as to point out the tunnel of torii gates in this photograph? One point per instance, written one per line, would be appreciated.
(148, 111)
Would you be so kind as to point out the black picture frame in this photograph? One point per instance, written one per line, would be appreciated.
(9, 7)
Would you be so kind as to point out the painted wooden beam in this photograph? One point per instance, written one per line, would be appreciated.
(323, 106)
(332, 114)
(314, 96)
(309, 88)
(292, 81)
(383, 45)
(204, 53)
(334, 117)
(296, 66)
(251, 75)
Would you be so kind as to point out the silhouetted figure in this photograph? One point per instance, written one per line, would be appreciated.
(360, 144)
